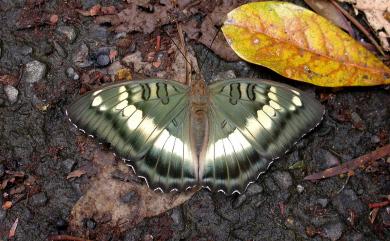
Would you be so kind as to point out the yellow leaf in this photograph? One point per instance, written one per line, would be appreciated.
(301, 45)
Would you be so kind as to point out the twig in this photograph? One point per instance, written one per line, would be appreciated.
(350, 165)
(184, 50)
(158, 43)
(360, 27)
(379, 205)
(345, 184)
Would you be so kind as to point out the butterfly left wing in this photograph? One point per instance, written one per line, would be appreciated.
(252, 122)
(146, 122)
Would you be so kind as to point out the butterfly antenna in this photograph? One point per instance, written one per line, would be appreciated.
(208, 51)
(177, 46)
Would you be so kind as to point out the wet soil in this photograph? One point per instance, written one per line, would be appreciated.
(39, 148)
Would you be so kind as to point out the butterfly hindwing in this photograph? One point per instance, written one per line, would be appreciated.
(145, 122)
(252, 122)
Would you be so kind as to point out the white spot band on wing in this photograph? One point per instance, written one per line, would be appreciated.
(97, 101)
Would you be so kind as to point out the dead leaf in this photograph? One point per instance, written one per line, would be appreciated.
(76, 173)
(330, 12)
(12, 231)
(301, 45)
(134, 17)
(351, 165)
(104, 198)
(375, 12)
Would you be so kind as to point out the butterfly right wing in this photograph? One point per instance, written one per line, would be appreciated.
(146, 122)
(252, 122)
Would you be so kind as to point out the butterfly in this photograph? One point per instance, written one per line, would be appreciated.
(220, 136)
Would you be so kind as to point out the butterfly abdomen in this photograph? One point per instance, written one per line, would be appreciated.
(199, 103)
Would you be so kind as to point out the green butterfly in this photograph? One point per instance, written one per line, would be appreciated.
(218, 136)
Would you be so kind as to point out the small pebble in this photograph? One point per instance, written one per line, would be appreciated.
(229, 74)
(357, 121)
(39, 199)
(103, 60)
(134, 59)
(333, 231)
(12, 93)
(72, 74)
(81, 58)
(132, 48)
(283, 179)
(330, 159)
(254, 189)
(69, 32)
(120, 35)
(177, 217)
(90, 223)
(323, 202)
(148, 237)
(239, 201)
(45, 48)
(300, 188)
(34, 71)
(2, 170)
(61, 224)
(59, 49)
(270, 184)
(375, 139)
(26, 50)
(68, 165)
(3, 214)
(347, 201)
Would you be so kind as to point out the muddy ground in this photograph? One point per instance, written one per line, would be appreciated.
(45, 62)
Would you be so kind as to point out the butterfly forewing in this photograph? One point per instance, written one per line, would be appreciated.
(146, 122)
(252, 122)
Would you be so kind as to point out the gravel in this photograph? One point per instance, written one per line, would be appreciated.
(333, 231)
(283, 179)
(34, 71)
(68, 31)
(72, 74)
(12, 93)
(348, 200)
(103, 60)
(81, 57)
(38, 199)
(2, 170)
(3, 214)
(68, 165)
(90, 223)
